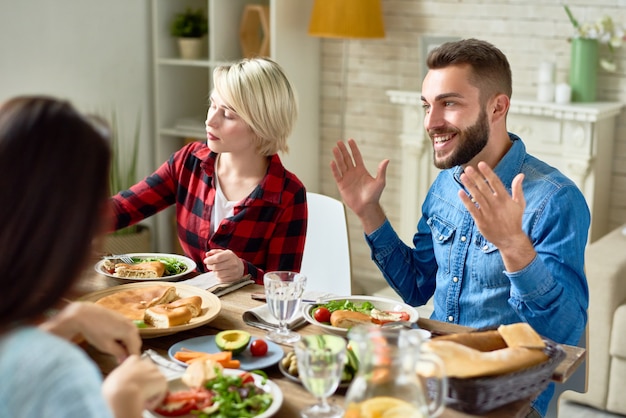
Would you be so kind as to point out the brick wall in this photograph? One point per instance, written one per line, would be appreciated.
(527, 31)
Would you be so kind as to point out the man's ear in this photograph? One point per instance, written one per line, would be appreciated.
(499, 107)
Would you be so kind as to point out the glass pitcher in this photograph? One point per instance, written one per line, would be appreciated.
(387, 380)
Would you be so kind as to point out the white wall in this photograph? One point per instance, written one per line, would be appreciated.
(526, 31)
(94, 53)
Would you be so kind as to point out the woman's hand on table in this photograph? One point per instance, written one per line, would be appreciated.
(226, 265)
(106, 330)
(136, 384)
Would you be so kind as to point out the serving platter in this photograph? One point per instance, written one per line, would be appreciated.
(211, 305)
(176, 384)
(206, 343)
(188, 262)
(383, 304)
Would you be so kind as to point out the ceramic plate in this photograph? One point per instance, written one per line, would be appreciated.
(211, 305)
(268, 386)
(342, 384)
(382, 304)
(207, 344)
(191, 266)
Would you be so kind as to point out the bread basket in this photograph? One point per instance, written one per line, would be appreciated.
(483, 394)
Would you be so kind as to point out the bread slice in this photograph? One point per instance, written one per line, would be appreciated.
(145, 270)
(193, 303)
(521, 334)
(163, 316)
(479, 340)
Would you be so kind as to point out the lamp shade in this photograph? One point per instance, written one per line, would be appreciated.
(347, 19)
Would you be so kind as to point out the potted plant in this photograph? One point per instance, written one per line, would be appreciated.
(122, 175)
(189, 27)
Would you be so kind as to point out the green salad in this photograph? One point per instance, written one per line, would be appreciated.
(172, 265)
(337, 305)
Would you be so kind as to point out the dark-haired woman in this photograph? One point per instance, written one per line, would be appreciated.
(53, 190)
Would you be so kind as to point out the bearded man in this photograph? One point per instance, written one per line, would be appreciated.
(502, 234)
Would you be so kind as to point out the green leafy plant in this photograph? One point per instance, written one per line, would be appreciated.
(190, 24)
(123, 173)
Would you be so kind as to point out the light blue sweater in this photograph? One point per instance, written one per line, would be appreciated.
(46, 376)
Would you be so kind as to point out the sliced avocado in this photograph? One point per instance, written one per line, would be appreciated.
(232, 340)
(353, 360)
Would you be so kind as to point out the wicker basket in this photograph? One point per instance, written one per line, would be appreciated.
(483, 394)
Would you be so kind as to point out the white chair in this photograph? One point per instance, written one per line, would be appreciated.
(326, 259)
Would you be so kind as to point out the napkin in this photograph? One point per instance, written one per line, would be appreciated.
(209, 282)
(261, 317)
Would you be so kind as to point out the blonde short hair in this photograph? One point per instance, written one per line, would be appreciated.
(259, 92)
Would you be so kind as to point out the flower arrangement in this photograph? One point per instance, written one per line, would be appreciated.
(605, 31)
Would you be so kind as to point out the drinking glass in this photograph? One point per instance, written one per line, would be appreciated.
(283, 292)
(321, 361)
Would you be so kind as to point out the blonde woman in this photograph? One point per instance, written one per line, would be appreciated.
(239, 211)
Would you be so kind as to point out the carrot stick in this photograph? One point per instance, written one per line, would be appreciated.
(186, 355)
(231, 364)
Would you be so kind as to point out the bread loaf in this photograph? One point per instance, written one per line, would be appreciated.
(481, 341)
(465, 362)
(489, 353)
(162, 316)
(521, 335)
(347, 319)
(193, 303)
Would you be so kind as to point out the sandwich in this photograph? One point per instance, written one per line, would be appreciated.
(144, 270)
(193, 303)
(132, 303)
(347, 319)
(162, 316)
(174, 313)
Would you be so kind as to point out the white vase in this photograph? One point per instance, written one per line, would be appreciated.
(190, 48)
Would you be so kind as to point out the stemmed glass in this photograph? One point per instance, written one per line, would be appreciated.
(321, 361)
(283, 292)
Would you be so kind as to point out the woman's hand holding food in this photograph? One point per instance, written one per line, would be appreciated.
(135, 385)
(106, 330)
(226, 265)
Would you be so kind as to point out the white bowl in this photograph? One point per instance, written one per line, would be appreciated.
(188, 262)
(382, 304)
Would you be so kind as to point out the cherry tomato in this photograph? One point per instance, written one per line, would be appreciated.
(322, 314)
(258, 348)
(246, 377)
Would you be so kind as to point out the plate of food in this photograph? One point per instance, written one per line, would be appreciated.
(146, 267)
(159, 308)
(338, 315)
(247, 361)
(258, 396)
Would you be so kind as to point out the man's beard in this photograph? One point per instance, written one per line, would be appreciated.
(471, 141)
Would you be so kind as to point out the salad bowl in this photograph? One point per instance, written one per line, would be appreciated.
(382, 304)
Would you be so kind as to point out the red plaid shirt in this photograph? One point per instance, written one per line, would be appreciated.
(267, 229)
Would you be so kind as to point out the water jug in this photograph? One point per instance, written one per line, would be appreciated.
(387, 382)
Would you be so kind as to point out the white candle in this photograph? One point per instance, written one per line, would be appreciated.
(563, 94)
(546, 72)
(545, 92)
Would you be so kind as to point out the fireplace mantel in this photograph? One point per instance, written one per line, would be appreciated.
(576, 138)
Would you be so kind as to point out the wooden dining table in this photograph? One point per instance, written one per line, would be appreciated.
(296, 397)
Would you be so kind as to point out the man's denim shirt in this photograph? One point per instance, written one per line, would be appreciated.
(465, 272)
